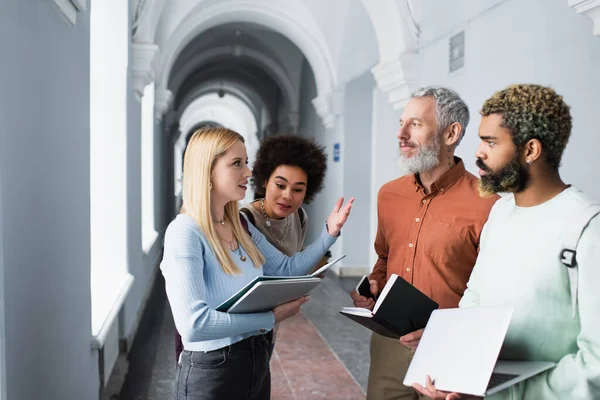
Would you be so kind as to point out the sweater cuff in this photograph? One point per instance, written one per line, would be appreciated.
(266, 321)
(327, 239)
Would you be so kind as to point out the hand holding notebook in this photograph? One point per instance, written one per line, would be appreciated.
(411, 340)
(400, 309)
(365, 294)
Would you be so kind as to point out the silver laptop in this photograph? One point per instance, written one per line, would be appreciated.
(459, 350)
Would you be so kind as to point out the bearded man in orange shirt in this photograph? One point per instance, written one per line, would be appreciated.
(429, 224)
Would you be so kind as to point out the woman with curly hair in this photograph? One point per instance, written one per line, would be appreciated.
(288, 171)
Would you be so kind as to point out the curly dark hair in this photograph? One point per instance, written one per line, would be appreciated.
(290, 150)
(533, 112)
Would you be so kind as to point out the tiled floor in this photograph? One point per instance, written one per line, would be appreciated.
(305, 367)
(318, 354)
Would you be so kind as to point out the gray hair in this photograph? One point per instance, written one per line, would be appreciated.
(449, 107)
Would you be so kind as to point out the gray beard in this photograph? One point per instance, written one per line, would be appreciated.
(427, 157)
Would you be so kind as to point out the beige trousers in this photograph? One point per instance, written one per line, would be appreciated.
(389, 363)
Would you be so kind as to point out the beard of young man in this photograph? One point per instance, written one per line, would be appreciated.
(426, 158)
(512, 178)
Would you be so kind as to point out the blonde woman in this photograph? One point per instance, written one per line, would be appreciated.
(208, 256)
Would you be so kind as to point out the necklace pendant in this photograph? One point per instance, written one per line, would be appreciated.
(268, 223)
(222, 223)
(243, 258)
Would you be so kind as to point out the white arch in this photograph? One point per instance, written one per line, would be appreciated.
(228, 111)
(397, 33)
(232, 87)
(395, 29)
(291, 19)
(146, 24)
(589, 8)
(272, 67)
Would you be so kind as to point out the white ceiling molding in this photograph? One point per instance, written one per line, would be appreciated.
(272, 67)
(397, 33)
(329, 107)
(68, 10)
(141, 66)
(140, 9)
(591, 8)
(146, 16)
(290, 18)
(408, 10)
(162, 103)
(396, 78)
(81, 5)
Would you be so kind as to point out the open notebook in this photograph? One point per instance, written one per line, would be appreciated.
(401, 308)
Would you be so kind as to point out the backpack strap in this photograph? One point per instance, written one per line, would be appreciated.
(575, 226)
(248, 215)
(244, 223)
(301, 215)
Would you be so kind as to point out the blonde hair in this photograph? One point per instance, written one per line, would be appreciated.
(203, 150)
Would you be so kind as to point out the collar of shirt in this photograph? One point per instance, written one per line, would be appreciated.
(446, 181)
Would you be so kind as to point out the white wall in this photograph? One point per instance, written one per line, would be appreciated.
(311, 126)
(349, 34)
(45, 167)
(356, 159)
(515, 41)
(384, 150)
(358, 51)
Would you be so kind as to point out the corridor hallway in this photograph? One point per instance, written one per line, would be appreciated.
(98, 99)
(319, 354)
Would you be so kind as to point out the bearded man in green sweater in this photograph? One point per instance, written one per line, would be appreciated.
(523, 262)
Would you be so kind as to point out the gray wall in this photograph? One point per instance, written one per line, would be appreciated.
(2, 330)
(356, 161)
(311, 126)
(45, 167)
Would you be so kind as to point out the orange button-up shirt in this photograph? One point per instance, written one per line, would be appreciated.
(431, 240)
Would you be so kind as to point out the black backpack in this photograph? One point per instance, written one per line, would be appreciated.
(245, 223)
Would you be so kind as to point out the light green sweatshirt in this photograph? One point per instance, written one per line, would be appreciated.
(519, 265)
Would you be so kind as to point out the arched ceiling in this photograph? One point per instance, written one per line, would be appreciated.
(191, 33)
(227, 111)
(226, 70)
(228, 87)
(244, 59)
(244, 45)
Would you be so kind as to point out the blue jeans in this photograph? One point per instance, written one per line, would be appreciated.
(239, 371)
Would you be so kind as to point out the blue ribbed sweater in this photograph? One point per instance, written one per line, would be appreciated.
(196, 283)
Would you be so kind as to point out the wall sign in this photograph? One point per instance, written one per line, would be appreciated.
(336, 152)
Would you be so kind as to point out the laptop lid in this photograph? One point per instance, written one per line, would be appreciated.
(459, 348)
